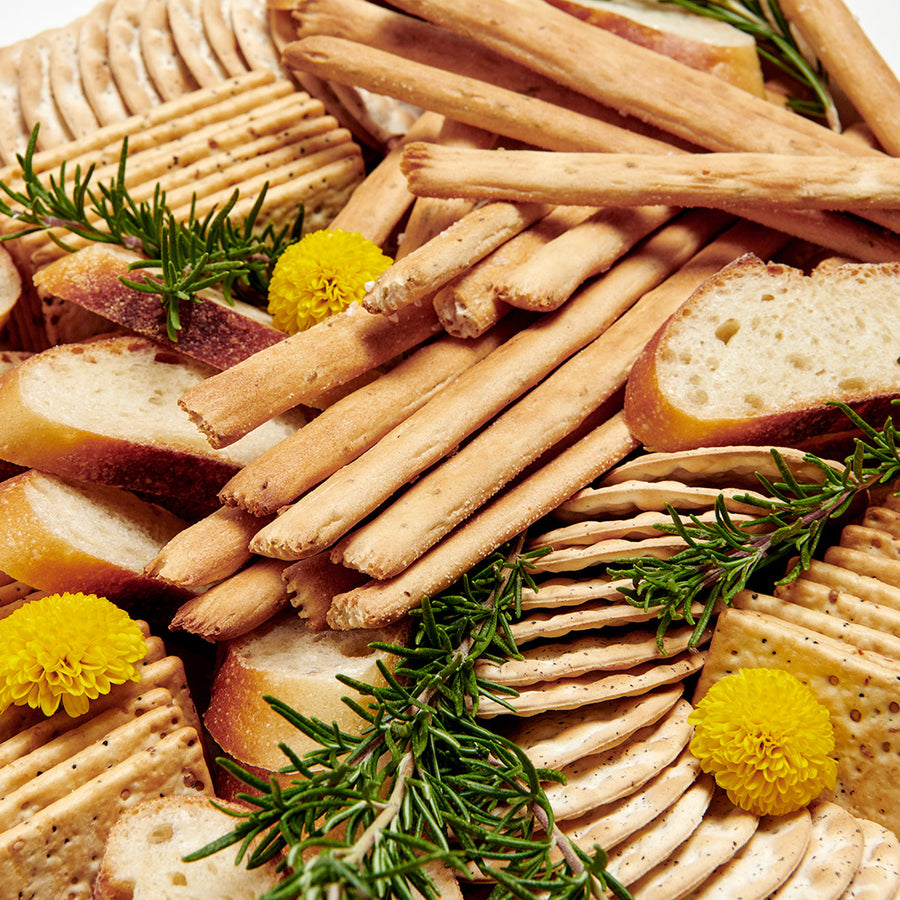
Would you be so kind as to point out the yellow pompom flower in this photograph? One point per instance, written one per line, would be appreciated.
(767, 740)
(321, 274)
(66, 647)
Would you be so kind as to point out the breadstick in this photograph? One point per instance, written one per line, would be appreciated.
(378, 204)
(468, 305)
(449, 493)
(353, 424)
(723, 180)
(326, 513)
(231, 403)
(311, 583)
(237, 605)
(851, 59)
(449, 253)
(542, 284)
(207, 551)
(378, 603)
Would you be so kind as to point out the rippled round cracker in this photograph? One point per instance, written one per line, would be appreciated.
(556, 592)
(93, 65)
(570, 693)
(615, 773)
(167, 69)
(65, 81)
(832, 858)
(763, 863)
(573, 559)
(36, 96)
(659, 839)
(719, 466)
(186, 24)
(125, 60)
(724, 829)
(555, 739)
(216, 16)
(583, 655)
(878, 875)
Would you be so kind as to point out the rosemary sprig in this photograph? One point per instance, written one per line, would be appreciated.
(426, 780)
(721, 556)
(775, 42)
(183, 257)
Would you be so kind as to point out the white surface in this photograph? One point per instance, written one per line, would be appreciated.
(21, 18)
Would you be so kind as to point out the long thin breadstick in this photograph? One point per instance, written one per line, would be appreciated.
(468, 305)
(449, 253)
(723, 180)
(353, 424)
(326, 513)
(231, 403)
(237, 605)
(851, 59)
(380, 602)
(449, 493)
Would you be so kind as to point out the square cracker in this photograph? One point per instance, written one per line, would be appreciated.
(860, 689)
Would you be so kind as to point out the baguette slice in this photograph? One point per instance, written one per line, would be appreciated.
(107, 411)
(58, 535)
(758, 352)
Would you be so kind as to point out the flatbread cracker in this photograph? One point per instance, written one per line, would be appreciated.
(166, 67)
(859, 689)
(763, 863)
(35, 95)
(612, 774)
(660, 839)
(571, 693)
(555, 739)
(611, 823)
(65, 81)
(878, 875)
(123, 45)
(832, 858)
(192, 43)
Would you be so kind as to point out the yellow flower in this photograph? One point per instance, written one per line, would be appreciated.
(68, 647)
(323, 273)
(766, 738)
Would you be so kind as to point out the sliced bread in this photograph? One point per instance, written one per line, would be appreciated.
(759, 351)
(107, 411)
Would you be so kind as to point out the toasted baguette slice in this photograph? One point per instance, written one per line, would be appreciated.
(60, 535)
(213, 331)
(143, 856)
(107, 411)
(758, 352)
(707, 44)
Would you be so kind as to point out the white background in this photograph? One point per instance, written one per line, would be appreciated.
(24, 18)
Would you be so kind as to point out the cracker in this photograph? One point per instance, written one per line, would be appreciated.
(725, 828)
(615, 773)
(612, 823)
(763, 863)
(859, 689)
(190, 39)
(12, 591)
(869, 565)
(865, 586)
(166, 67)
(13, 131)
(870, 540)
(883, 519)
(581, 656)
(555, 739)
(878, 875)
(573, 559)
(125, 60)
(35, 95)
(658, 840)
(56, 852)
(216, 16)
(93, 65)
(571, 693)
(65, 81)
(832, 858)
(251, 29)
(73, 769)
(555, 592)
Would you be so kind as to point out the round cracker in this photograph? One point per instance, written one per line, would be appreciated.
(251, 29)
(216, 16)
(125, 59)
(170, 75)
(65, 81)
(186, 25)
(35, 95)
(573, 559)
(554, 592)
(13, 133)
(93, 65)
(878, 875)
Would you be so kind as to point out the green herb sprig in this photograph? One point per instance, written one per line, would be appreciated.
(183, 257)
(775, 42)
(426, 781)
(721, 556)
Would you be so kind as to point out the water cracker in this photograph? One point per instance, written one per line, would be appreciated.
(65, 81)
(573, 559)
(13, 131)
(554, 592)
(36, 99)
(166, 67)
(878, 875)
(93, 65)
(216, 16)
(125, 60)
(192, 43)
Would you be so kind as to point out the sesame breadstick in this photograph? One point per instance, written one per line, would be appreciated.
(449, 493)
(329, 511)
(354, 423)
(380, 602)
